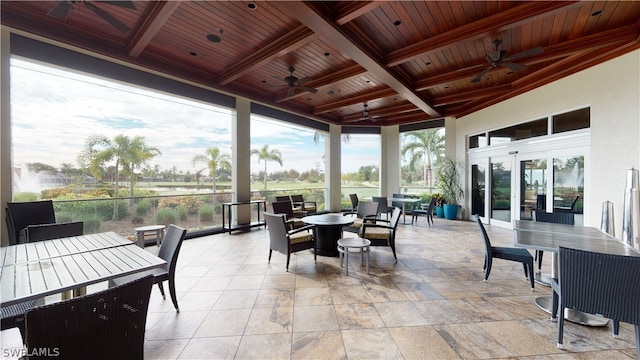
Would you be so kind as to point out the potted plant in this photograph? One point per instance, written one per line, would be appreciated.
(438, 205)
(448, 175)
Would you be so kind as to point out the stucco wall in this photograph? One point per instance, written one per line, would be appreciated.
(612, 90)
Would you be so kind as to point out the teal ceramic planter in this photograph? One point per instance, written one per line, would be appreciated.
(450, 211)
(439, 211)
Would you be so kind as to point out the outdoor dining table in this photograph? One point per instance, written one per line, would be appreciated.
(34, 270)
(328, 231)
(404, 202)
(550, 236)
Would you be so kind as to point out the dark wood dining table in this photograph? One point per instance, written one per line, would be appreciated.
(34, 270)
(328, 231)
(550, 236)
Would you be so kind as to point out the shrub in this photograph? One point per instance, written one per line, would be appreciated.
(183, 213)
(101, 207)
(205, 214)
(55, 193)
(91, 225)
(25, 197)
(191, 203)
(137, 219)
(63, 217)
(142, 208)
(166, 216)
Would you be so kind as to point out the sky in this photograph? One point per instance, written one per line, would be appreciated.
(55, 110)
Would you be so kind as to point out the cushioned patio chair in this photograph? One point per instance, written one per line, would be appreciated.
(382, 232)
(309, 206)
(292, 219)
(286, 241)
(556, 218)
(109, 324)
(597, 283)
(354, 202)
(367, 210)
(505, 253)
(22, 214)
(169, 250)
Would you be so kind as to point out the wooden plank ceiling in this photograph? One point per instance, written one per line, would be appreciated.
(408, 61)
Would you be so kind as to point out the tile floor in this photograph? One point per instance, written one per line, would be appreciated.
(431, 304)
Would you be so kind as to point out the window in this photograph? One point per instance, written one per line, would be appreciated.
(573, 120)
(518, 132)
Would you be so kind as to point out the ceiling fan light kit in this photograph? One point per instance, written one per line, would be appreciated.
(499, 58)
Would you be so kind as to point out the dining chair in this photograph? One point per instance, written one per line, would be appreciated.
(425, 210)
(108, 324)
(354, 202)
(42, 232)
(286, 241)
(22, 214)
(292, 219)
(309, 206)
(169, 251)
(597, 283)
(397, 204)
(366, 211)
(13, 316)
(382, 232)
(556, 218)
(383, 205)
(571, 208)
(504, 253)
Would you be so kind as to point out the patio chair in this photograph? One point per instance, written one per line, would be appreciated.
(367, 211)
(354, 202)
(383, 205)
(397, 204)
(556, 218)
(597, 283)
(571, 208)
(286, 241)
(169, 250)
(22, 214)
(382, 232)
(109, 324)
(505, 253)
(42, 232)
(424, 210)
(13, 316)
(309, 206)
(292, 219)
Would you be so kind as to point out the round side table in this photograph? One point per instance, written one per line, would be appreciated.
(143, 230)
(356, 244)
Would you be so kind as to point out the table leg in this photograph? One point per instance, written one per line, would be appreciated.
(327, 240)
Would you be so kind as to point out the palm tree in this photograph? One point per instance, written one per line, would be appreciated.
(215, 160)
(424, 147)
(266, 154)
(127, 153)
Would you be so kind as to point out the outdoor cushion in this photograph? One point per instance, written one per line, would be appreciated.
(301, 237)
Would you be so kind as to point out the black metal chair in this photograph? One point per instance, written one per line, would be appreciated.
(286, 241)
(367, 211)
(354, 202)
(43, 232)
(556, 218)
(382, 232)
(597, 283)
(424, 210)
(571, 208)
(169, 250)
(383, 205)
(292, 219)
(22, 214)
(505, 253)
(397, 204)
(109, 324)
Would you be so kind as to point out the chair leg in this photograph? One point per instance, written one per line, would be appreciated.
(172, 292)
(270, 251)
(637, 341)
(487, 263)
(288, 258)
(161, 289)
(539, 257)
(530, 266)
(616, 328)
(560, 325)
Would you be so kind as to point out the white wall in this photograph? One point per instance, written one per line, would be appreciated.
(612, 90)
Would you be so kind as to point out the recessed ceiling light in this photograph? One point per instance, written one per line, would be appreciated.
(193, 53)
(397, 22)
(596, 13)
(263, 81)
(428, 63)
(252, 6)
(326, 54)
(214, 38)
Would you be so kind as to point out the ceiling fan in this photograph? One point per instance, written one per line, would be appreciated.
(62, 10)
(498, 57)
(366, 115)
(295, 83)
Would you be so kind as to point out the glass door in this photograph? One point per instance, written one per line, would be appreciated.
(501, 190)
(478, 188)
(532, 186)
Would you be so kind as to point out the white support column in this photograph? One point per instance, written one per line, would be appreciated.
(240, 155)
(390, 160)
(5, 130)
(333, 168)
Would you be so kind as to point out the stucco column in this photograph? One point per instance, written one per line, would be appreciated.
(240, 155)
(333, 169)
(5, 130)
(389, 160)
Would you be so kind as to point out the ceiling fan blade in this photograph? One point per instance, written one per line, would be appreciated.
(513, 66)
(108, 18)
(62, 10)
(290, 91)
(124, 4)
(311, 90)
(526, 53)
(479, 76)
(303, 80)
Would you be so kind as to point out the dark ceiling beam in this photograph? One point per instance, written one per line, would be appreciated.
(153, 20)
(356, 9)
(294, 39)
(619, 35)
(328, 31)
(354, 100)
(327, 80)
(486, 27)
